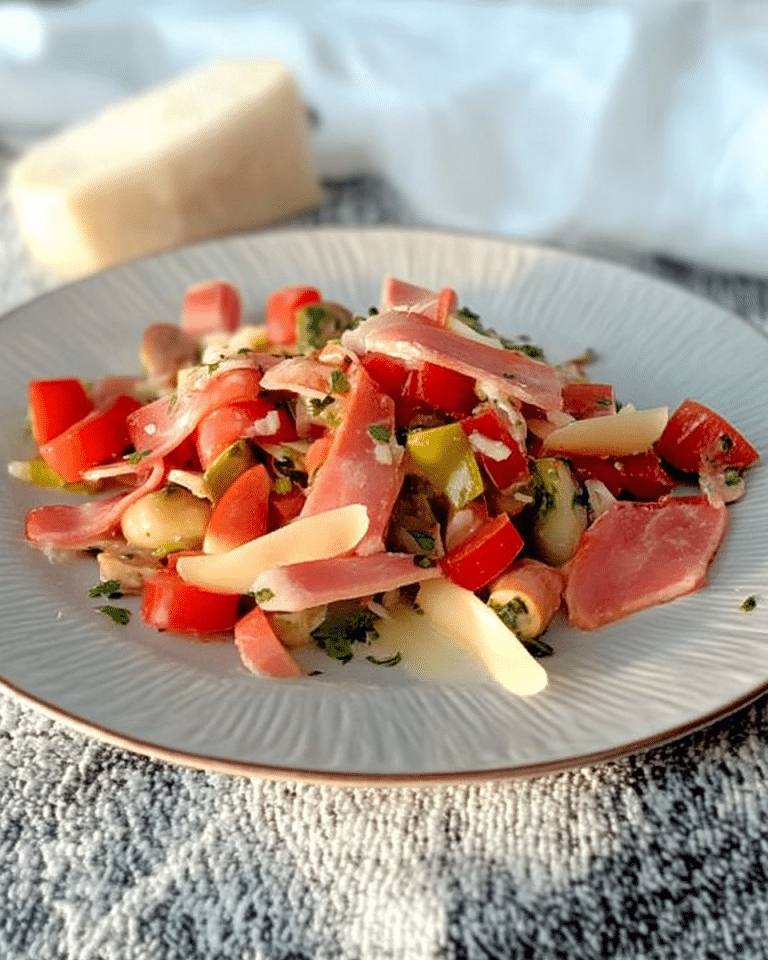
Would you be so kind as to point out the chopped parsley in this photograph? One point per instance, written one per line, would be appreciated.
(509, 614)
(529, 349)
(263, 595)
(726, 443)
(120, 615)
(749, 604)
(108, 588)
(344, 625)
(471, 319)
(317, 320)
(424, 562)
(372, 311)
(213, 367)
(731, 477)
(137, 456)
(316, 406)
(339, 382)
(424, 541)
(387, 661)
(282, 485)
(380, 433)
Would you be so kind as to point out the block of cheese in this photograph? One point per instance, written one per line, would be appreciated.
(221, 150)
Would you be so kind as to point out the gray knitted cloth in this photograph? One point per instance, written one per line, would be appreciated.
(105, 855)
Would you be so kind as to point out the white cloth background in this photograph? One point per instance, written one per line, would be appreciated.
(642, 123)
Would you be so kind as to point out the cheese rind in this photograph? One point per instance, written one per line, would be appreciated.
(221, 150)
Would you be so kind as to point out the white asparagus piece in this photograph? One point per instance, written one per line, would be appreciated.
(324, 535)
(617, 435)
(460, 615)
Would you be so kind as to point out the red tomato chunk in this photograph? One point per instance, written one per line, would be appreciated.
(211, 307)
(55, 405)
(281, 309)
(98, 438)
(484, 555)
(169, 603)
(695, 435)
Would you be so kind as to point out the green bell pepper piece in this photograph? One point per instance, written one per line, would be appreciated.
(444, 457)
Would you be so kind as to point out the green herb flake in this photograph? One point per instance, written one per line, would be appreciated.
(534, 352)
(213, 367)
(372, 311)
(731, 477)
(317, 318)
(109, 589)
(344, 625)
(339, 382)
(263, 595)
(603, 402)
(726, 443)
(380, 433)
(424, 541)
(537, 647)
(316, 406)
(387, 661)
(138, 456)
(120, 615)
(749, 604)
(471, 319)
(424, 562)
(282, 485)
(510, 612)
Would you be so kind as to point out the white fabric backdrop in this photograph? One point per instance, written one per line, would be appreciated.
(641, 123)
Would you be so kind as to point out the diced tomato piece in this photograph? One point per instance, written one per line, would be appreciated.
(504, 470)
(431, 387)
(170, 603)
(586, 400)
(281, 308)
(695, 434)
(99, 437)
(260, 648)
(603, 469)
(55, 405)
(185, 456)
(211, 307)
(484, 555)
(223, 426)
(284, 507)
(389, 373)
(241, 513)
(644, 476)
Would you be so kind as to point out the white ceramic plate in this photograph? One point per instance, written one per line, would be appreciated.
(649, 678)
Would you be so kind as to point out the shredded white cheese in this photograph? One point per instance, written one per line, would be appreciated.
(267, 425)
(493, 449)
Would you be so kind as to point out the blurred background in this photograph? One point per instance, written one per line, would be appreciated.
(637, 125)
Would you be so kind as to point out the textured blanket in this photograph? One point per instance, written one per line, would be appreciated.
(105, 855)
